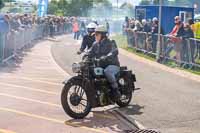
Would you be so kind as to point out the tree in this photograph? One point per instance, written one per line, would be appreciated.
(1, 4)
(52, 7)
(80, 7)
(145, 2)
(156, 2)
(74, 7)
(9, 0)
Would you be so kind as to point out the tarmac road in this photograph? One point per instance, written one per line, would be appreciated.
(168, 99)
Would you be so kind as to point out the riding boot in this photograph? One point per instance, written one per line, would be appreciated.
(116, 94)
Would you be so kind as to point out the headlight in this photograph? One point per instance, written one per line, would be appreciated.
(76, 67)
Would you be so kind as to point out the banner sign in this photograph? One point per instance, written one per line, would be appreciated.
(42, 8)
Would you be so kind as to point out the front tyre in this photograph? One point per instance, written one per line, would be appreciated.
(74, 99)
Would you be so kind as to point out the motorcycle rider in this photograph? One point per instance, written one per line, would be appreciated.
(88, 39)
(106, 50)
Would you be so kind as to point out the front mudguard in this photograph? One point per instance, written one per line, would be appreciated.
(66, 81)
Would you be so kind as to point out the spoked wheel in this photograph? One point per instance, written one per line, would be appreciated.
(126, 90)
(74, 100)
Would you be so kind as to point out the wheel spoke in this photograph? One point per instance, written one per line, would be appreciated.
(123, 99)
(75, 89)
(83, 99)
(70, 92)
(82, 93)
(83, 104)
(78, 89)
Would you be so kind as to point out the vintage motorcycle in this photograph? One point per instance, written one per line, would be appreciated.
(90, 89)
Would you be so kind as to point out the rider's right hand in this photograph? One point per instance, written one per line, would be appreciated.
(79, 52)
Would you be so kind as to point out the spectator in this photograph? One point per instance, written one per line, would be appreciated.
(188, 33)
(125, 25)
(191, 23)
(197, 36)
(175, 38)
(154, 28)
(138, 26)
(51, 27)
(145, 26)
(132, 24)
(108, 27)
(82, 29)
(76, 29)
(4, 30)
(154, 31)
(129, 33)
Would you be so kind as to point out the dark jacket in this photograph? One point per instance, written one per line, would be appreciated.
(188, 34)
(103, 49)
(146, 28)
(180, 31)
(88, 40)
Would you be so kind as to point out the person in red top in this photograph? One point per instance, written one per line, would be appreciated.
(177, 31)
(75, 29)
(175, 38)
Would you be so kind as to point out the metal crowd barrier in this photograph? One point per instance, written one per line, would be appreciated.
(182, 51)
(14, 41)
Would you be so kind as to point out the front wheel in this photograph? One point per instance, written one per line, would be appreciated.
(126, 89)
(74, 99)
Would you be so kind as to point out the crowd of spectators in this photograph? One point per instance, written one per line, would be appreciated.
(177, 40)
(19, 30)
(53, 24)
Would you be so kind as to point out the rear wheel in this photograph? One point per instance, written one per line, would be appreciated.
(126, 89)
(74, 99)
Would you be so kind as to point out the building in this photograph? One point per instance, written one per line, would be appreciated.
(167, 15)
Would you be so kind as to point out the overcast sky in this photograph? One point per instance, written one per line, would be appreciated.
(134, 2)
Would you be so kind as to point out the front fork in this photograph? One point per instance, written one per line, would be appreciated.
(91, 91)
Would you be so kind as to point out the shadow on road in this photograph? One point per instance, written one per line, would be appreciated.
(14, 63)
(98, 121)
(132, 110)
(107, 119)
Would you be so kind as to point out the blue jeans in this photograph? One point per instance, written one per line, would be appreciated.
(76, 35)
(110, 72)
(169, 48)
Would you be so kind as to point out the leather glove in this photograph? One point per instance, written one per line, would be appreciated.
(103, 57)
(79, 52)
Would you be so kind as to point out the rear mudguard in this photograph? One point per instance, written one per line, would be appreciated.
(131, 77)
(129, 74)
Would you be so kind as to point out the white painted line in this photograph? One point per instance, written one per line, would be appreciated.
(35, 80)
(64, 73)
(6, 131)
(28, 88)
(30, 100)
(140, 126)
(51, 120)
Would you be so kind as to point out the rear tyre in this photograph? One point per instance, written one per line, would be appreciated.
(126, 89)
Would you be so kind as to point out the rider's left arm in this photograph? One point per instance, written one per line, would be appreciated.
(113, 50)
